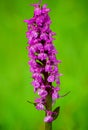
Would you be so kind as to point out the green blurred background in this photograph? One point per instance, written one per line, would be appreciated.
(70, 22)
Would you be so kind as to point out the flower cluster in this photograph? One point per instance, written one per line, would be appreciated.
(43, 62)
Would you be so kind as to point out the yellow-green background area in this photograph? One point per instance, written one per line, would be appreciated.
(70, 22)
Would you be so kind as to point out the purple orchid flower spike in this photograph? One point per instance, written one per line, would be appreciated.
(43, 62)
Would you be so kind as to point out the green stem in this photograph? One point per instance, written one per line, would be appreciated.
(48, 126)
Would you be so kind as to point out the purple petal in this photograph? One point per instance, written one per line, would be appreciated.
(36, 84)
(40, 106)
(42, 56)
(37, 11)
(37, 76)
(55, 95)
(48, 68)
(42, 92)
(48, 119)
(51, 78)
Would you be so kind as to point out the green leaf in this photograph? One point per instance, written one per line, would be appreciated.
(31, 103)
(56, 113)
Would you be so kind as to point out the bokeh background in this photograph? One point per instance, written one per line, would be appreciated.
(70, 22)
